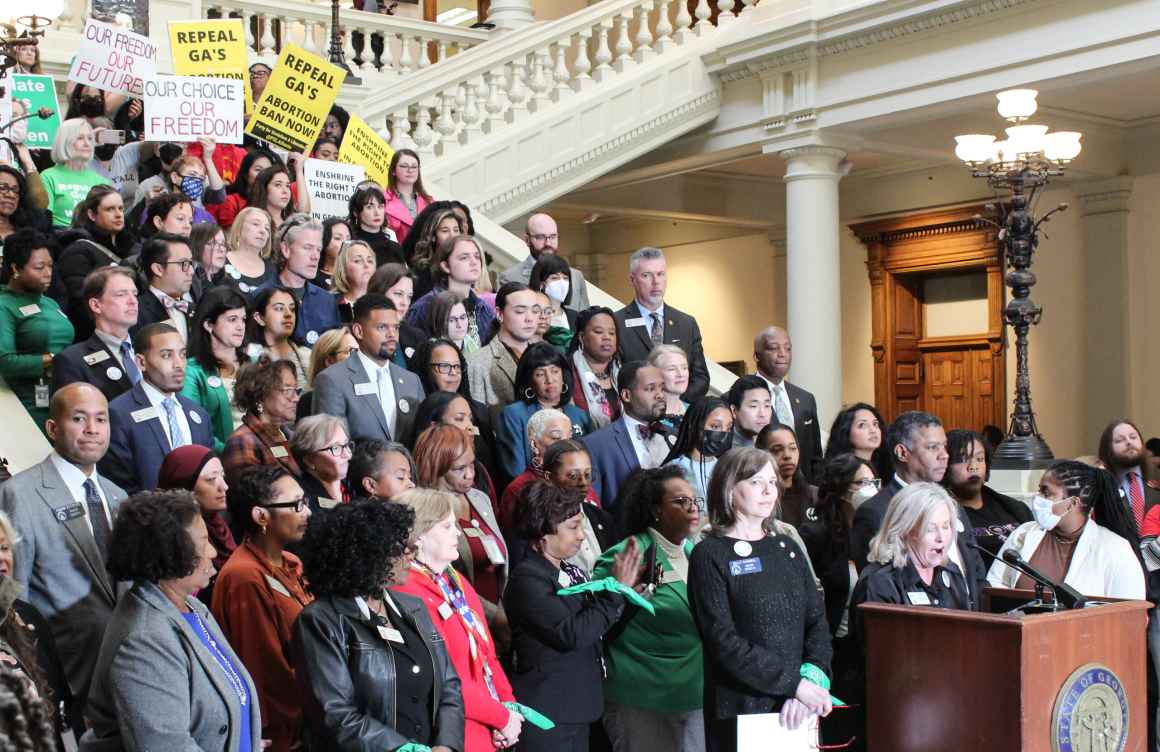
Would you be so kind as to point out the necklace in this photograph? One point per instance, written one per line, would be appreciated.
(227, 667)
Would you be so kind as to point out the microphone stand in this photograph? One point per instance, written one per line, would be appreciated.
(1063, 596)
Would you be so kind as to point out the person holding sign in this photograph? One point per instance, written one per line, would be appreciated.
(68, 181)
(299, 246)
(406, 196)
(368, 219)
(239, 190)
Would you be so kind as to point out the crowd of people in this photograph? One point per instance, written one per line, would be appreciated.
(338, 485)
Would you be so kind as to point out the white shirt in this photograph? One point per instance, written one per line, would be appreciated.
(649, 454)
(156, 398)
(647, 315)
(179, 321)
(778, 392)
(74, 479)
(380, 376)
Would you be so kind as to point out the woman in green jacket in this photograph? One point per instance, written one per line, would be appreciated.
(653, 692)
(215, 353)
(33, 329)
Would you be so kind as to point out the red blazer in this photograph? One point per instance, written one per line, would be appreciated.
(483, 714)
(398, 218)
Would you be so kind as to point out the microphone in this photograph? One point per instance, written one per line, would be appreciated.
(1065, 595)
(982, 550)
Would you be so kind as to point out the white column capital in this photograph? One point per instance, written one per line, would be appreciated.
(510, 14)
(813, 162)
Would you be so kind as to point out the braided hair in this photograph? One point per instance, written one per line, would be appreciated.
(25, 718)
(1100, 496)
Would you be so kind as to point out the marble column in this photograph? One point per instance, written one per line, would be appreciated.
(813, 278)
(510, 14)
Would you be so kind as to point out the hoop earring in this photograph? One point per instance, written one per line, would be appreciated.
(529, 394)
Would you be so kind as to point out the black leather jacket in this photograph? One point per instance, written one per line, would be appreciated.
(348, 674)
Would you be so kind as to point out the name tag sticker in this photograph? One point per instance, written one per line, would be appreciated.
(918, 598)
(564, 580)
(745, 566)
(635, 322)
(29, 310)
(279, 452)
(390, 634)
(278, 587)
(365, 388)
(97, 357)
(144, 414)
(327, 503)
(70, 512)
(444, 610)
(494, 554)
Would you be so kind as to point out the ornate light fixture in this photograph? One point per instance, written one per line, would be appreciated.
(22, 25)
(335, 51)
(1022, 165)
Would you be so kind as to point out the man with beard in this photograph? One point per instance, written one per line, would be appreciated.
(1122, 452)
(992, 515)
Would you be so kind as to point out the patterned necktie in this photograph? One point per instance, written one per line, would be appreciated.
(176, 437)
(129, 362)
(658, 333)
(179, 303)
(1136, 496)
(575, 573)
(781, 405)
(97, 517)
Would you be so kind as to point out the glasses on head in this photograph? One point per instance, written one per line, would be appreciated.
(185, 264)
(689, 503)
(13, 189)
(446, 368)
(297, 505)
(337, 450)
(541, 238)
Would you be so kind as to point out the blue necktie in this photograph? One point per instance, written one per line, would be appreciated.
(176, 437)
(130, 363)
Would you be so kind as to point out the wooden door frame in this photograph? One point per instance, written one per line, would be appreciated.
(940, 241)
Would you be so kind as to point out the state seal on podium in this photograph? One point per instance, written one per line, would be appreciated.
(1091, 712)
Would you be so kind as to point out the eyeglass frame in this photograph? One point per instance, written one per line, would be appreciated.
(446, 369)
(187, 265)
(348, 446)
(696, 502)
(297, 505)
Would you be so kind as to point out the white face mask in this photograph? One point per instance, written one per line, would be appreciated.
(1044, 516)
(862, 495)
(557, 290)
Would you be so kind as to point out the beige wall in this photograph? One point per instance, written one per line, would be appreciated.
(954, 304)
(550, 10)
(1144, 310)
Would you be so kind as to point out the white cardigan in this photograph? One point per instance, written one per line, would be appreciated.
(1103, 565)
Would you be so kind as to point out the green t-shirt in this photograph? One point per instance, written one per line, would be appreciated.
(66, 188)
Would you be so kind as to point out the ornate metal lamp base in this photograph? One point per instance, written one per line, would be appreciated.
(1022, 453)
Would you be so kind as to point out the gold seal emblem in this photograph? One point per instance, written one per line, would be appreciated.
(1091, 712)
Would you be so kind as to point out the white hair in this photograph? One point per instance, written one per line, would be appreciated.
(910, 511)
(63, 150)
(538, 423)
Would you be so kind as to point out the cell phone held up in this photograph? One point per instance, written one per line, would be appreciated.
(110, 136)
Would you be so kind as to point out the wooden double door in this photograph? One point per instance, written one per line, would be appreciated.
(959, 378)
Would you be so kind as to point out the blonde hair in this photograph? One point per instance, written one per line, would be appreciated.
(234, 238)
(9, 530)
(341, 284)
(327, 346)
(431, 507)
(910, 511)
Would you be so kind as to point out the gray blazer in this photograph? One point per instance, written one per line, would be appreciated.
(157, 687)
(58, 564)
(491, 376)
(335, 394)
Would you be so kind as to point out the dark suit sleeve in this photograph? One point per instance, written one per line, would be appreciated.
(68, 368)
(865, 525)
(531, 600)
(597, 465)
(698, 369)
(815, 448)
(73, 267)
(117, 464)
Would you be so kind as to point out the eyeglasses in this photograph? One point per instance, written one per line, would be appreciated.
(185, 264)
(337, 450)
(290, 391)
(216, 244)
(542, 238)
(297, 505)
(875, 482)
(13, 189)
(408, 167)
(259, 74)
(689, 503)
(446, 368)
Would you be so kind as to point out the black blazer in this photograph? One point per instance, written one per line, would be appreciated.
(556, 642)
(680, 329)
(150, 310)
(93, 363)
(410, 337)
(809, 433)
(831, 563)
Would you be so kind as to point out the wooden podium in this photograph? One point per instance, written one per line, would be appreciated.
(947, 680)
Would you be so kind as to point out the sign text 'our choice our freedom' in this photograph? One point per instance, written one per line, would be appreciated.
(186, 108)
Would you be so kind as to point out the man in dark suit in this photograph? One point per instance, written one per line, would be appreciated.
(378, 399)
(647, 321)
(153, 417)
(792, 405)
(168, 265)
(1121, 450)
(64, 511)
(106, 360)
(632, 442)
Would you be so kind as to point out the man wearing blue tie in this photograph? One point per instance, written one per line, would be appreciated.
(106, 360)
(152, 418)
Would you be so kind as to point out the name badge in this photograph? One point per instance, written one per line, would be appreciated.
(279, 452)
(390, 234)
(278, 587)
(918, 598)
(366, 388)
(564, 579)
(745, 566)
(144, 414)
(444, 610)
(29, 310)
(97, 357)
(635, 322)
(327, 503)
(494, 554)
(70, 512)
(390, 634)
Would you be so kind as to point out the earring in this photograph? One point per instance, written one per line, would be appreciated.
(258, 409)
(528, 393)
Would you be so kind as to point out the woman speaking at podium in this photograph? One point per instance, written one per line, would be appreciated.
(1065, 542)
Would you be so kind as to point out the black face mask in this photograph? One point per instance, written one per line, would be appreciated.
(92, 106)
(105, 152)
(716, 443)
(169, 154)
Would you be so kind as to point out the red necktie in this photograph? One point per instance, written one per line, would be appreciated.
(1136, 496)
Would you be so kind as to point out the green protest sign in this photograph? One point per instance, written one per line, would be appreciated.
(38, 92)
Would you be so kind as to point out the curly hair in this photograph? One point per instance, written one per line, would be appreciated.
(25, 718)
(540, 355)
(641, 495)
(150, 542)
(542, 507)
(257, 381)
(436, 450)
(832, 508)
(351, 550)
(253, 487)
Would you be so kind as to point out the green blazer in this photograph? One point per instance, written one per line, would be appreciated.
(655, 662)
(215, 400)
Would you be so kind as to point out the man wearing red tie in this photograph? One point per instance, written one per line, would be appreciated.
(1122, 452)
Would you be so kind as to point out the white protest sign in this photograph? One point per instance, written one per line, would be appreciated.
(186, 108)
(330, 185)
(113, 59)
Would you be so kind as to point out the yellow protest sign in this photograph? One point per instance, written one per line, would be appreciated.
(362, 146)
(211, 48)
(297, 99)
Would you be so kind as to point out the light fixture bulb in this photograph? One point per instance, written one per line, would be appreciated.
(974, 148)
(1017, 105)
(1062, 146)
(1026, 139)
